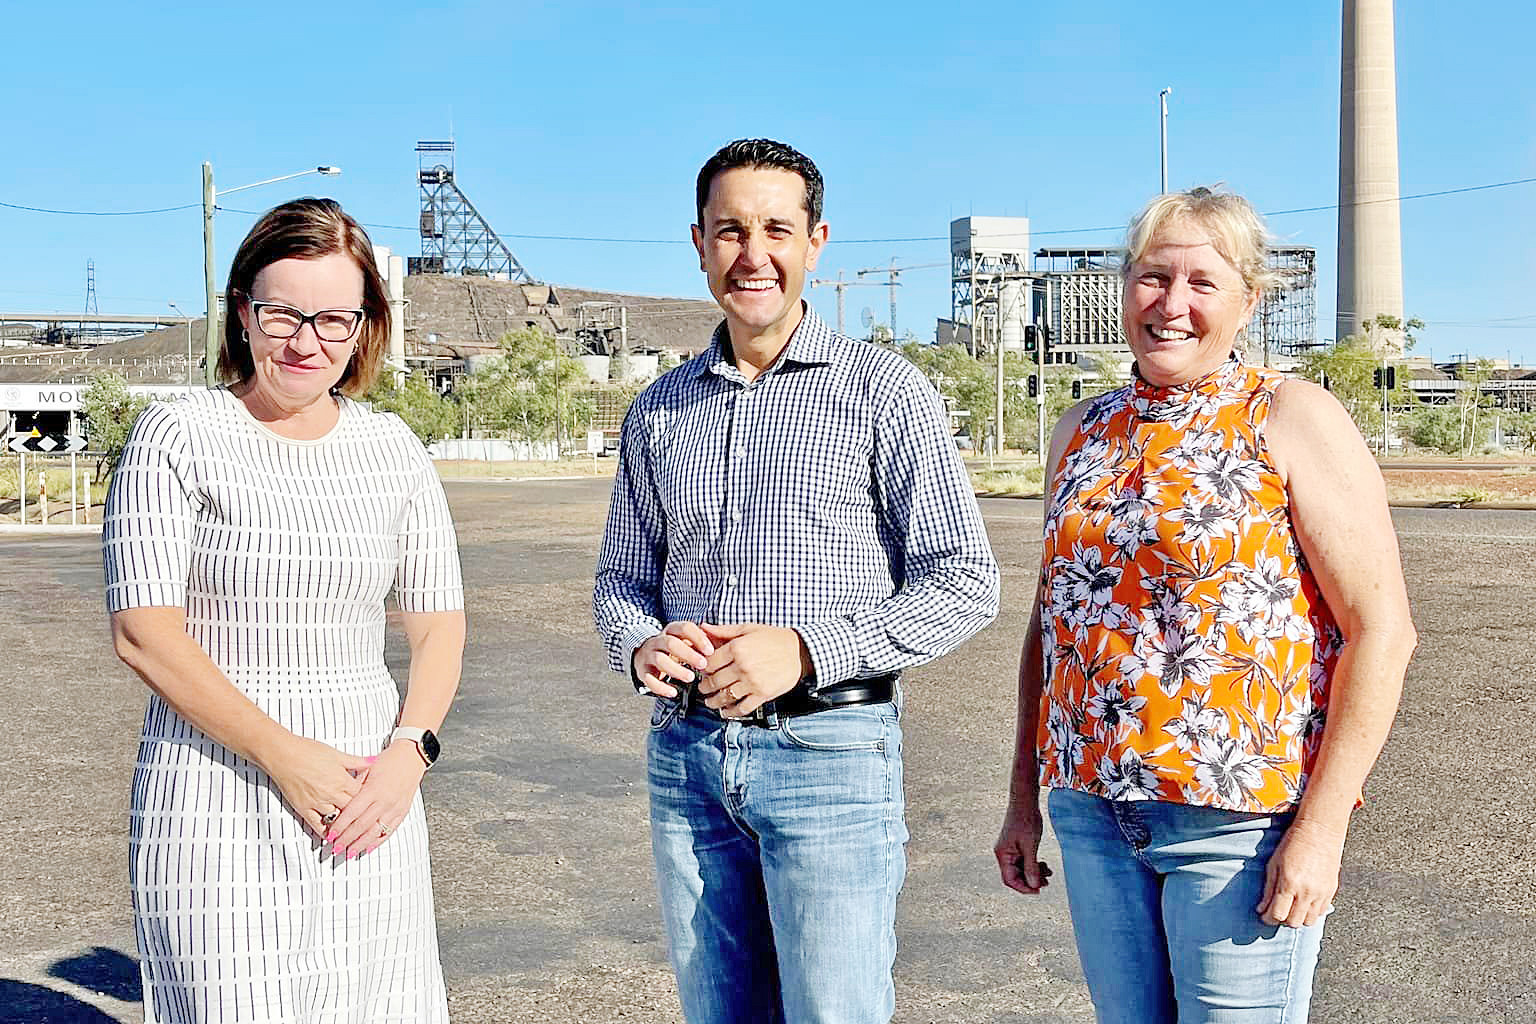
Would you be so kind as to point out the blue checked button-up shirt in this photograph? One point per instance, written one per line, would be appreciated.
(826, 496)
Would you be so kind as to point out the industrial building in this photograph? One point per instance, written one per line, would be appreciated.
(998, 287)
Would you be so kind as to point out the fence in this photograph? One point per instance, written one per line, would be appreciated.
(38, 503)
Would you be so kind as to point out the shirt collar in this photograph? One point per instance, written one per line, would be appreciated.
(813, 343)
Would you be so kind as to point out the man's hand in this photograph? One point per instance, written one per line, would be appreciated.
(678, 652)
(1302, 877)
(751, 664)
(1018, 846)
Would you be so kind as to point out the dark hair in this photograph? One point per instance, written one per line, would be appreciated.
(754, 153)
(307, 229)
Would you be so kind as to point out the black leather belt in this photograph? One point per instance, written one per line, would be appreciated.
(801, 701)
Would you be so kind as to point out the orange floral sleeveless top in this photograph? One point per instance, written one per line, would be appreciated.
(1187, 648)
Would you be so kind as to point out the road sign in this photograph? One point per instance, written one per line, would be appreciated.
(48, 444)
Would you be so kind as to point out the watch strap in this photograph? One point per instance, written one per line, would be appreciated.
(418, 737)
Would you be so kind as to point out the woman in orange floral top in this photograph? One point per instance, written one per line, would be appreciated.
(1216, 652)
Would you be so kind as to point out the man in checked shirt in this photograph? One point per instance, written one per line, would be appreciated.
(790, 528)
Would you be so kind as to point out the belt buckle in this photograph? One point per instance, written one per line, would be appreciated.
(685, 696)
(763, 717)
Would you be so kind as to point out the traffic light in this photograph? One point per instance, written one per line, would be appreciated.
(1045, 338)
(1029, 337)
(1077, 390)
(1034, 386)
(1389, 375)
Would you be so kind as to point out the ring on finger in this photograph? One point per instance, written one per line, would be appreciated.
(384, 829)
(326, 819)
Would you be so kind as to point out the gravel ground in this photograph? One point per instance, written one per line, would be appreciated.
(540, 848)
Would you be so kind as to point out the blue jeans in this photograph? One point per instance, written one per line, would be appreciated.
(1162, 897)
(779, 856)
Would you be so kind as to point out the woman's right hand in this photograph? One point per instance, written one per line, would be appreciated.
(1018, 848)
(316, 779)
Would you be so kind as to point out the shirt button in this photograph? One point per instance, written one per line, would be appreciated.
(735, 515)
(741, 451)
(730, 580)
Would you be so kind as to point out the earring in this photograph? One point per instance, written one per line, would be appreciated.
(245, 335)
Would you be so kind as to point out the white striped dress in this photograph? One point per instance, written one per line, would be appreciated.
(282, 553)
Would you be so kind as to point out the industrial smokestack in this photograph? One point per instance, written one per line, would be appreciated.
(1370, 233)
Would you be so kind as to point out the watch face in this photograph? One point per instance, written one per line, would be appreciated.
(429, 745)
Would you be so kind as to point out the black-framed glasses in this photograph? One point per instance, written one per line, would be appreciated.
(282, 322)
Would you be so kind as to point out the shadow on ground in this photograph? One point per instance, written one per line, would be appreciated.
(103, 971)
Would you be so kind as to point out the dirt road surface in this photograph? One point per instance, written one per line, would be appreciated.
(538, 812)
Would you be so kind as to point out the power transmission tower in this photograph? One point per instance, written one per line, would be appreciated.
(90, 297)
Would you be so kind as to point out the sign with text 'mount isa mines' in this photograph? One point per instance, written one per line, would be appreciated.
(66, 397)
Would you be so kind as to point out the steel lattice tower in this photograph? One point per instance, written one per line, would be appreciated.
(90, 296)
(455, 239)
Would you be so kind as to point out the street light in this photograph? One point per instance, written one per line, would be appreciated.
(211, 341)
(1162, 102)
(189, 340)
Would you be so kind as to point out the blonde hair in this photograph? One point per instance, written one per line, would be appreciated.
(1237, 230)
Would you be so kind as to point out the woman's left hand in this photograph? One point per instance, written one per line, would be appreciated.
(1303, 875)
(372, 815)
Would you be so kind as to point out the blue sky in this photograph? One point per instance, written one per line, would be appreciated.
(591, 119)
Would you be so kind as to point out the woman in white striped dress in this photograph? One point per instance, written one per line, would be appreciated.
(278, 850)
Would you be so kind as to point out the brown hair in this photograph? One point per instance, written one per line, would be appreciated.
(307, 229)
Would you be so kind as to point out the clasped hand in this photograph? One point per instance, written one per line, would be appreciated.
(737, 667)
(353, 803)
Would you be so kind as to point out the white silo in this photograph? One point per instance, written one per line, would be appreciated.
(1013, 314)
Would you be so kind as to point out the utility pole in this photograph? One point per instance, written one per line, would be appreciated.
(1162, 100)
(211, 336)
(998, 339)
(210, 199)
(1045, 333)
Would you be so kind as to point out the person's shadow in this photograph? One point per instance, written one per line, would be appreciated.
(102, 970)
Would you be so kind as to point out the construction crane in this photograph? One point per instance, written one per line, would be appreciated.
(891, 280)
(840, 285)
(892, 273)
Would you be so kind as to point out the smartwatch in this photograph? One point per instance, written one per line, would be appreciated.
(425, 740)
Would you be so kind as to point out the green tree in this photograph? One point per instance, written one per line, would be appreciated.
(109, 414)
(965, 382)
(970, 384)
(430, 416)
(1436, 427)
(1348, 369)
(1457, 428)
(1471, 402)
(532, 390)
(1521, 425)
